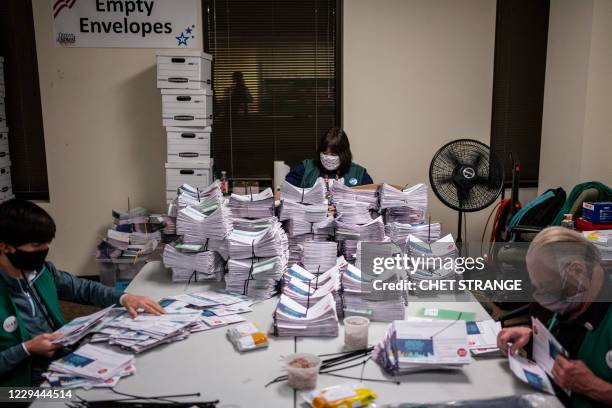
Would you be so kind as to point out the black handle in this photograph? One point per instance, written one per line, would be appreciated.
(2, 171)
(188, 135)
(189, 154)
(2, 154)
(184, 117)
(4, 189)
(178, 80)
(208, 81)
(177, 60)
(183, 98)
(187, 172)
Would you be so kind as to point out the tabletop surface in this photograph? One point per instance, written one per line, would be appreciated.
(206, 362)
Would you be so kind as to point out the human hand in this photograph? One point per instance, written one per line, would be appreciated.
(43, 345)
(134, 302)
(574, 375)
(517, 336)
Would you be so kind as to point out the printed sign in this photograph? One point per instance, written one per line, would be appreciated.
(125, 23)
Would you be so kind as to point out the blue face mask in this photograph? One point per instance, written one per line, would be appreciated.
(28, 261)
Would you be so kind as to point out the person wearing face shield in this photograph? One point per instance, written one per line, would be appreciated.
(30, 291)
(569, 281)
(334, 161)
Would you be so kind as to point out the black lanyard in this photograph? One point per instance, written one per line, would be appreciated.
(34, 294)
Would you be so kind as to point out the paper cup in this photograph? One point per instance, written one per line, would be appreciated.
(302, 370)
(356, 332)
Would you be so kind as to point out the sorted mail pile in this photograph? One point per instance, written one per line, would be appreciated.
(317, 319)
(258, 251)
(304, 223)
(407, 206)
(434, 261)
(412, 345)
(90, 366)
(308, 288)
(354, 212)
(318, 256)
(196, 226)
(134, 234)
(359, 298)
(259, 205)
(350, 234)
(398, 232)
(313, 195)
(341, 192)
(193, 262)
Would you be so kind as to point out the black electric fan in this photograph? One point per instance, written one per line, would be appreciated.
(466, 176)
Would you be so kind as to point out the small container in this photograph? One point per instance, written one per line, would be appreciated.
(356, 332)
(302, 370)
(224, 183)
(568, 221)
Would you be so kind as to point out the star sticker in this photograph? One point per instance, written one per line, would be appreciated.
(188, 30)
(182, 40)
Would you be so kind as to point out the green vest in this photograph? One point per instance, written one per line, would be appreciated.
(45, 286)
(353, 177)
(594, 353)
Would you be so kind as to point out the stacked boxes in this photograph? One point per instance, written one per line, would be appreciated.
(6, 191)
(184, 78)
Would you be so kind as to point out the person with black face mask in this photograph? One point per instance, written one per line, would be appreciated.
(30, 291)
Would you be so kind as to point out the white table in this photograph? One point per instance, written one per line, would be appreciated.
(207, 363)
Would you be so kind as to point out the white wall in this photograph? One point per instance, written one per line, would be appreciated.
(417, 74)
(576, 123)
(103, 137)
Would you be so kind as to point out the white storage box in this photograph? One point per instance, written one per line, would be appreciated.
(198, 175)
(188, 144)
(184, 69)
(5, 159)
(6, 192)
(5, 175)
(187, 107)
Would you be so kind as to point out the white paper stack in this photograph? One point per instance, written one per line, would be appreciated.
(69, 381)
(358, 297)
(406, 206)
(398, 232)
(93, 362)
(192, 262)
(256, 277)
(435, 259)
(307, 213)
(293, 319)
(410, 346)
(196, 226)
(313, 195)
(259, 205)
(353, 212)
(351, 234)
(341, 192)
(268, 242)
(318, 257)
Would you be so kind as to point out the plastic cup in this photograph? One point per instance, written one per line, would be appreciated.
(356, 332)
(302, 370)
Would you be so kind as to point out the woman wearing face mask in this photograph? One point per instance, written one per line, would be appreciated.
(569, 281)
(30, 291)
(334, 161)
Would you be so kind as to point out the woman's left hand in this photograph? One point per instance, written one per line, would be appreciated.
(573, 375)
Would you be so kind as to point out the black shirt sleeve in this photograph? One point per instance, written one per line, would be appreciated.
(296, 175)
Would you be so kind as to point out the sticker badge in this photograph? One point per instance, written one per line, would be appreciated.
(10, 324)
(609, 358)
(353, 181)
